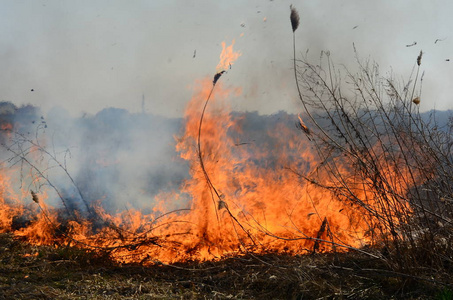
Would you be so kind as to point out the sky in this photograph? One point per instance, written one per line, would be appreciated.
(86, 55)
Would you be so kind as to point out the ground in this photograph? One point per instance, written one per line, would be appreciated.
(43, 272)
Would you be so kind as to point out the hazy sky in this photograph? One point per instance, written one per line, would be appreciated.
(88, 55)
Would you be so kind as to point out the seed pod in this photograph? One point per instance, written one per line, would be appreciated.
(34, 197)
(294, 17)
(217, 76)
(419, 58)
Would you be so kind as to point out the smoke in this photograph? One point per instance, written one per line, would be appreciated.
(124, 160)
(88, 55)
(116, 157)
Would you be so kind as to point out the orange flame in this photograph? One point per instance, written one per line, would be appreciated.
(9, 205)
(6, 126)
(227, 57)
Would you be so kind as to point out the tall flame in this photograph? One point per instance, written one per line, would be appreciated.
(227, 57)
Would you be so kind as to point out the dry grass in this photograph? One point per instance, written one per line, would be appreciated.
(29, 272)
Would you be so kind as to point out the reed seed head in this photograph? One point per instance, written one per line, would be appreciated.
(294, 17)
(34, 197)
(419, 58)
(416, 100)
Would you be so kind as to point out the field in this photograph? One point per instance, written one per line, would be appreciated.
(349, 199)
(32, 272)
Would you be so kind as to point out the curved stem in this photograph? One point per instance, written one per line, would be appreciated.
(208, 180)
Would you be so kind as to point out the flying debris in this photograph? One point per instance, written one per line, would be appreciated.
(194, 53)
(242, 24)
(32, 90)
(438, 40)
(241, 144)
(217, 76)
(413, 44)
(355, 26)
(447, 59)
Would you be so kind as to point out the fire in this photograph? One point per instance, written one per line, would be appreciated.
(227, 57)
(6, 129)
(9, 206)
(40, 231)
(6, 126)
(244, 198)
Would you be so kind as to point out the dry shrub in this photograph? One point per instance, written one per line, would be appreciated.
(384, 156)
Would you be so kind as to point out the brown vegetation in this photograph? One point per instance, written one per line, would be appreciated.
(382, 156)
(44, 272)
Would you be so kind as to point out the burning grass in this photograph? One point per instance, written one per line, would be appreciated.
(37, 272)
(365, 198)
(248, 199)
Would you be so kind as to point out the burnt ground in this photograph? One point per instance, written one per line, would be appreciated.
(39, 272)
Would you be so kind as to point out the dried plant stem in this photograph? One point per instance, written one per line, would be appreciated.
(200, 155)
(23, 158)
(419, 59)
(206, 175)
